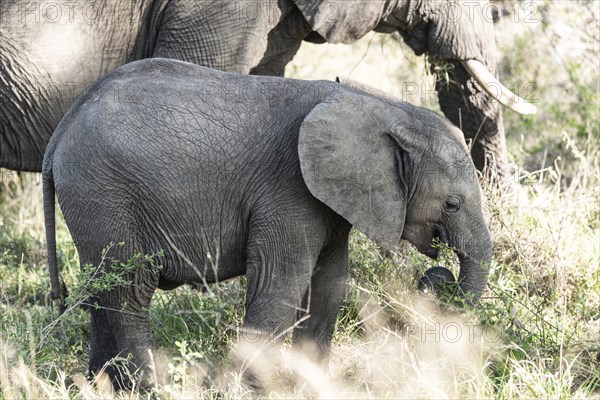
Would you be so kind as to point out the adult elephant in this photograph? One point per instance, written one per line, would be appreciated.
(50, 52)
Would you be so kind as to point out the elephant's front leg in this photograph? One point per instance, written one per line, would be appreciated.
(279, 265)
(121, 339)
(322, 301)
(283, 42)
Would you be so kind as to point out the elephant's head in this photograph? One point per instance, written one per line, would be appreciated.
(459, 37)
(396, 171)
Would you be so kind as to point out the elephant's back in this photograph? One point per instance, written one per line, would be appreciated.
(173, 108)
(183, 121)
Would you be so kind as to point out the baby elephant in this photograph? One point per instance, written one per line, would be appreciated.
(225, 174)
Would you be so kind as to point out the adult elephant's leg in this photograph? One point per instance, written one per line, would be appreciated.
(322, 300)
(120, 325)
(479, 116)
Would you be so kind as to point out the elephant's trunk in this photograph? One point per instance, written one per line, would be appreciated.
(478, 115)
(475, 256)
(474, 269)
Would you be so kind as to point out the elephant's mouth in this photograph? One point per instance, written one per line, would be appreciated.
(432, 252)
(425, 247)
(427, 243)
(438, 235)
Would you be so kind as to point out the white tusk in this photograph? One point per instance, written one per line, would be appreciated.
(497, 90)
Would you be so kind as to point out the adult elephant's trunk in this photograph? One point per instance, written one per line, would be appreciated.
(478, 115)
(460, 39)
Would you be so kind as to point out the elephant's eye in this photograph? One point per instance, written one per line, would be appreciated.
(452, 204)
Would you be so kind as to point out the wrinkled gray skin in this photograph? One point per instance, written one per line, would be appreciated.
(233, 174)
(47, 59)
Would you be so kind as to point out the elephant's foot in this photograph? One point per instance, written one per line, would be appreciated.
(256, 359)
(120, 373)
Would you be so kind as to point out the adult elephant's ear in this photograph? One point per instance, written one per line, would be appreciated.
(348, 161)
(342, 21)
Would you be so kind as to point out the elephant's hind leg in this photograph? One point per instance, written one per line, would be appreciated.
(120, 325)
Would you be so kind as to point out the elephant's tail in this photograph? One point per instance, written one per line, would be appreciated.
(59, 289)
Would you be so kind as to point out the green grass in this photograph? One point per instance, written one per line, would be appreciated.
(535, 333)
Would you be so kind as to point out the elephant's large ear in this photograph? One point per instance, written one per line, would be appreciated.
(349, 162)
(342, 21)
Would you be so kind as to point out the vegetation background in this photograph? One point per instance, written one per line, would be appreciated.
(536, 333)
